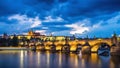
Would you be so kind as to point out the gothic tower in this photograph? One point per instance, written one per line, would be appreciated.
(114, 39)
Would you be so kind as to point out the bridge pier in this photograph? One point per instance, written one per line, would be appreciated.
(86, 50)
(42, 47)
(53, 47)
(115, 50)
(78, 49)
(66, 48)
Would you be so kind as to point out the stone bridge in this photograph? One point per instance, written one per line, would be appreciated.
(92, 44)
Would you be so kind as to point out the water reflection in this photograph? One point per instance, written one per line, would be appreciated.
(21, 59)
(60, 59)
(104, 61)
(30, 59)
(48, 59)
(115, 61)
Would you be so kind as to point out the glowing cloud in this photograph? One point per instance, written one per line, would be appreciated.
(23, 19)
(41, 31)
(50, 19)
(78, 28)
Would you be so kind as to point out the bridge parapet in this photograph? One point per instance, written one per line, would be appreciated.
(93, 42)
(73, 43)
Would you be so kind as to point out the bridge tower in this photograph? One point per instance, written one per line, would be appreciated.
(115, 48)
(114, 39)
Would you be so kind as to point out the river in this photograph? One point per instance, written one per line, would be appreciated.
(30, 59)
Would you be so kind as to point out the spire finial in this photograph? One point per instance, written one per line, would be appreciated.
(87, 36)
(114, 33)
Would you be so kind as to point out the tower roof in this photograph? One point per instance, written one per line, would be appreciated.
(114, 34)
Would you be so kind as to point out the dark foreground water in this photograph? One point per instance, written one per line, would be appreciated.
(30, 59)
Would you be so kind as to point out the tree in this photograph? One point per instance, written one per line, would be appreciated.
(15, 40)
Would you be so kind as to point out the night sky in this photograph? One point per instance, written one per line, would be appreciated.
(98, 18)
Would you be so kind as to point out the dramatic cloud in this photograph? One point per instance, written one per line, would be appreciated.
(43, 32)
(61, 17)
(50, 19)
(106, 28)
(79, 27)
(23, 20)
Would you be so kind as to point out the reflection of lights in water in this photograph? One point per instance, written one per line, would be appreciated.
(112, 64)
(76, 60)
(80, 54)
(82, 60)
(25, 53)
(21, 59)
(60, 59)
(31, 57)
(38, 58)
(83, 63)
(73, 60)
(48, 58)
(94, 58)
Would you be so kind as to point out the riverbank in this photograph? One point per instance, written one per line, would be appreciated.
(13, 48)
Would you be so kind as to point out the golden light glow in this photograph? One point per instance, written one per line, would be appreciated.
(60, 59)
(95, 48)
(21, 59)
(38, 57)
(48, 58)
(94, 58)
(76, 60)
(60, 41)
(60, 38)
(58, 47)
(73, 48)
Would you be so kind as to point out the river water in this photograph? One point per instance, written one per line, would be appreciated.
(30, 59)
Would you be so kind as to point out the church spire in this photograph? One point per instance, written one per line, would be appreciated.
(114, 34)
(94, 37)
(87, 37)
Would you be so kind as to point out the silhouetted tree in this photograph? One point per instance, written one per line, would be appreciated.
(9, 41)
(15, 41)
(4, 40)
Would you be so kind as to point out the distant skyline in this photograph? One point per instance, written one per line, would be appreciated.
(98, 18)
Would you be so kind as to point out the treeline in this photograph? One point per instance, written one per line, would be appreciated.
(9, 42)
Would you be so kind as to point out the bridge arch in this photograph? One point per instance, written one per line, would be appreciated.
(94, 48)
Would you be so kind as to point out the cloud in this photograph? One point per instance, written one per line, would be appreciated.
(88, 8)
(23, 19)
(78, 27)
(84, 17)
(99, 24)
(20, 24)
(44, 27)
(43, 32)
(50, 19)
(105, 28)
(113, 20)
(61, 33)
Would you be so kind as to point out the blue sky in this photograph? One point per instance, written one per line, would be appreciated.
(98, 18)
